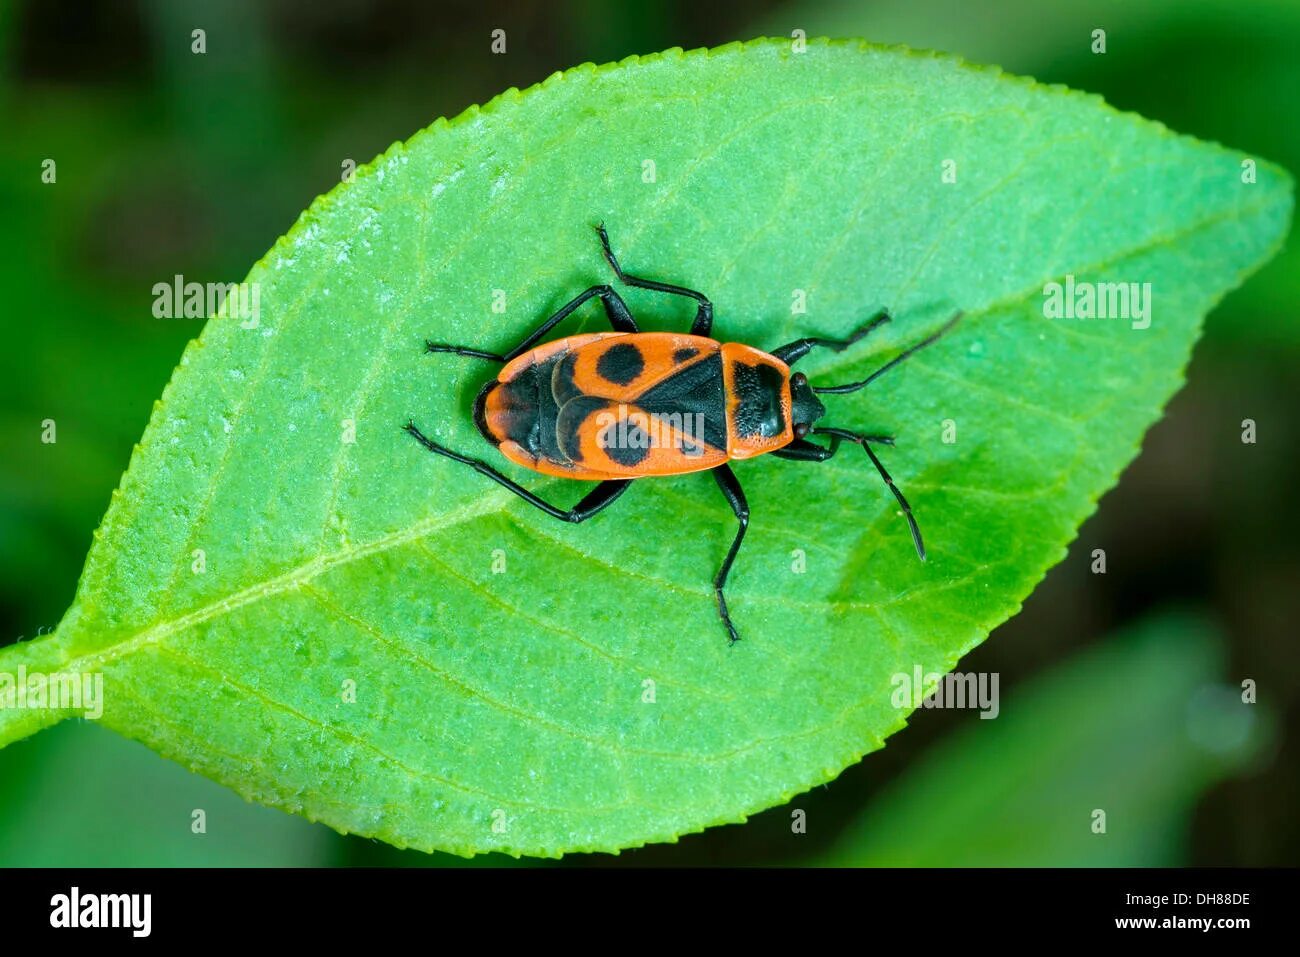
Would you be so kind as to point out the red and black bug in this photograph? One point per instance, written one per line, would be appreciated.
(617, 406)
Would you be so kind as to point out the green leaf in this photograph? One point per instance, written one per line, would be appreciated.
(507, 711)
(1255, 76)
(1137, 728)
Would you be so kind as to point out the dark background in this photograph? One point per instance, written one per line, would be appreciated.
(174, 163)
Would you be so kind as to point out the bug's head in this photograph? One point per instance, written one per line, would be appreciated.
(805, 409)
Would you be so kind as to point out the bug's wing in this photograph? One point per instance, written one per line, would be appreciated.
(624, 440)
(624, 367)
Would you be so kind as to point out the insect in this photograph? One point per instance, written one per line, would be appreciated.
(618, 406)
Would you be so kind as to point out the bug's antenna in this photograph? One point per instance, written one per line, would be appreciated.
(911, 350)
(865, 442)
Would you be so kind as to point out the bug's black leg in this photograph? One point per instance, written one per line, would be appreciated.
(703, 323)
(801, 450)
(910, 350)
(615, 309)
(736, 498)
(794, 351)
(463, 351)
(597, 499)
(865, 441)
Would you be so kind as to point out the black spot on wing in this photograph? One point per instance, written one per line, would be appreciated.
(620, 363)
(693, 400)
(681, 355)
(758, 387)
(625, 442)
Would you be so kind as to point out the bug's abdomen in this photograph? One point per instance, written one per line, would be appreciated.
(517, 410)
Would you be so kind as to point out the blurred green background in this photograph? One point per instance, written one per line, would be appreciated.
(1118, 691)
